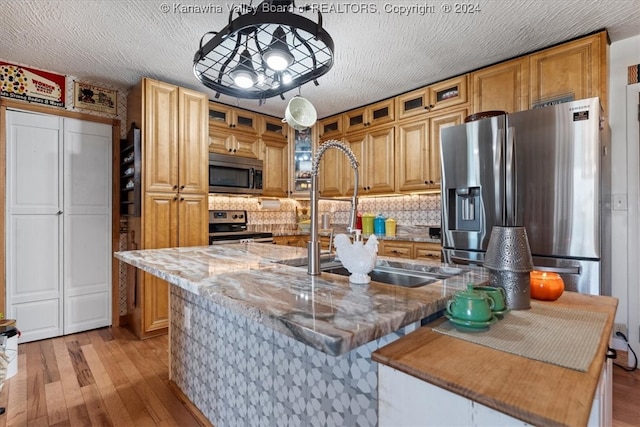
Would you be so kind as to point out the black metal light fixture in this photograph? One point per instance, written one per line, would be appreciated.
(264, 52)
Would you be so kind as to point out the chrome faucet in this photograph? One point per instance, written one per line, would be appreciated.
(313, 246)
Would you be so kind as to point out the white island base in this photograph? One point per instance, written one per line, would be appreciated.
(405, 400)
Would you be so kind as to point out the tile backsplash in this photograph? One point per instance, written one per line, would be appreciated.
(409, 210)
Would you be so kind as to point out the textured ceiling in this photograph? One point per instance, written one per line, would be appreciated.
(379, 52)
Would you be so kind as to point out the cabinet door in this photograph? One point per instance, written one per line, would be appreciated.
(276, 168)
(274, 128)
(412, 156)
(448, 93)
(574, 68)
(160, 136)
(413, 103)
(436, 124)
(159, 231)
(397, 249)
(503, 87)
(220, 141)
(193, 213)
(193, 153)
(330, 173)
(427, 250)
(246, 145)
(356, 143)
(331, 127)
(382, 112)
(379, 164)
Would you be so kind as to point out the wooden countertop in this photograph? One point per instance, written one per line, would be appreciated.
(535, 392)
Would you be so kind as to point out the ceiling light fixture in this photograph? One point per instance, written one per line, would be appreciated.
(264, 52)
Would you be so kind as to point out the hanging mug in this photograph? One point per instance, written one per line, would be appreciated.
(300, 113)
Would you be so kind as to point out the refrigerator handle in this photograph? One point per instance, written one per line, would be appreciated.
(511, 187)
(562, 270)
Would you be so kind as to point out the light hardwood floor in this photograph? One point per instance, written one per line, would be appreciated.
(107, 377)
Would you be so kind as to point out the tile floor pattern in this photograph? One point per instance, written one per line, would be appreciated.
(238, 372)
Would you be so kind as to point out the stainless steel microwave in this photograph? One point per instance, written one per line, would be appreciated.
(233, 174)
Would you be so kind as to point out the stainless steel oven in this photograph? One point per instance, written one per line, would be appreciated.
(231, 227)
(233, 174)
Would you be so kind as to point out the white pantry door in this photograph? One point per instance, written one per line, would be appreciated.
(87, 226)
(34, 224)
(58, 245)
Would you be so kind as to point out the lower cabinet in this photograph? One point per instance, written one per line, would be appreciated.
(410, 250)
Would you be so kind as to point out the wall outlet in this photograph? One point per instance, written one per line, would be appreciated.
(187, 318)
(619, 327)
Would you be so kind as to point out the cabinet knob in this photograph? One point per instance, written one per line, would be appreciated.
(234, 150)
(181, 187)
(230, 150)
(175, 198)
(426, 183)
(59, 213)
(175, 187)
(182, 199)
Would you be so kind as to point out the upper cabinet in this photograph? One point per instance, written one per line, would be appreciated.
(376, 156)
(330, 127)
(418, 150)
(502, 87)
(372, 115)
(224, 117)
(273, 128)
(233, 131)
(577, 70)
(431, 98)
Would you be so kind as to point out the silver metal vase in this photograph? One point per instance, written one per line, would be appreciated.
(509, 262)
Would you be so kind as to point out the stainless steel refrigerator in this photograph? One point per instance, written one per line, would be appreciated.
(547, 169)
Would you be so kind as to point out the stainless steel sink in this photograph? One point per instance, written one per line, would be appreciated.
(413, 276)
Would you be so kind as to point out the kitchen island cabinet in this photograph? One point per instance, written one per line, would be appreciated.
(255, 341)
(478, 385)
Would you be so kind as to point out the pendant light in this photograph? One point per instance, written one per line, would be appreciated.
(243, 74)
(265, 51)
(277, 56)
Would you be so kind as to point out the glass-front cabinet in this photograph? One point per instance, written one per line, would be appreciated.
(302, 150)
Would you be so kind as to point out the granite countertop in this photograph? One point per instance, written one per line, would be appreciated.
(325, 312)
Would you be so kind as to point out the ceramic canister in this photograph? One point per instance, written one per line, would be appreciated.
(367, 223)
(379, 225)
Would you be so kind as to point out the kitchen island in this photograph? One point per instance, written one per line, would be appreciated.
(256, 341)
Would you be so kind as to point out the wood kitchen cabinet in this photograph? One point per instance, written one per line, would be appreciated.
(375, 153)
(418, 149)
(175, 162)
(370, 116)
(331, 171)
(434, 97)
(331, 127)
(410, 250)
(234, 143)
(502, 87)
(275, 155)
(234, 132)
(225, 117)
(577, 68)
(274, 129)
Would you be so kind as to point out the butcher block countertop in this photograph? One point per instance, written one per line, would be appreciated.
(535, 392)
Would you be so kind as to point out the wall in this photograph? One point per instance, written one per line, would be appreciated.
(409, 210)
(626, 163)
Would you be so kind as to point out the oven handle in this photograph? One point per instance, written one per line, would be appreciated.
(252, 178)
